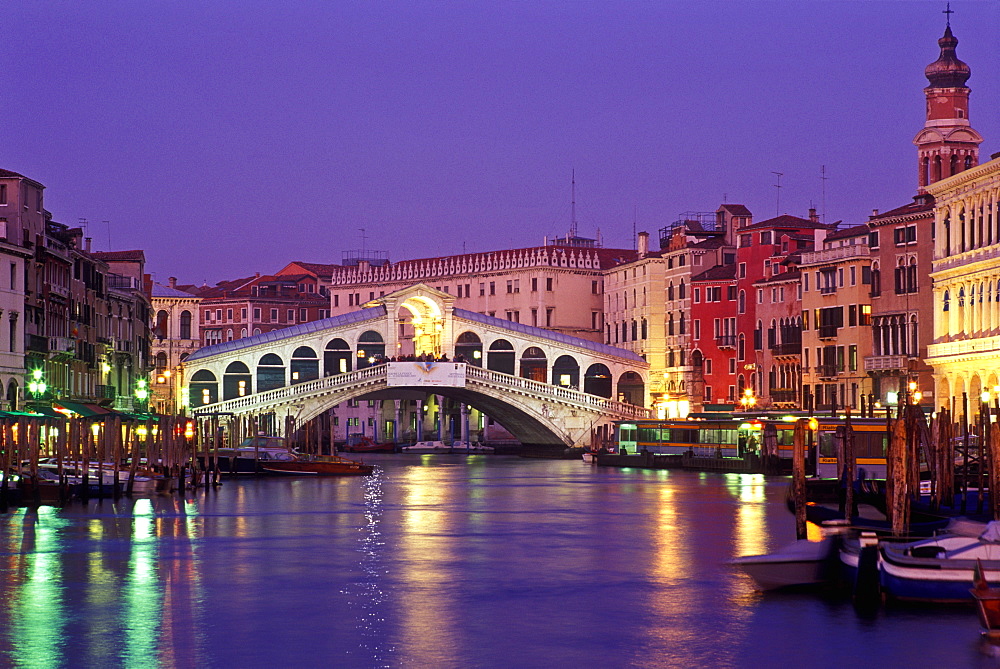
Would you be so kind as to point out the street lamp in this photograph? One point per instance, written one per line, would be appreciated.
(141, 391)
(37, 385)
(749, 400)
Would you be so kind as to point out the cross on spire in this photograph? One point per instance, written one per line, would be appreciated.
(948, 12)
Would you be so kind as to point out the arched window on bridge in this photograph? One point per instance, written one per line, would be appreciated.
(371, 347)
(161, 329)
(597, 380)
(337, 358)
(631, 389)
(305, 365)
(501, 357)
(204, 389)
(566, 372)
(470, 346)
(236, 382)
(270, 373)
(534, 365)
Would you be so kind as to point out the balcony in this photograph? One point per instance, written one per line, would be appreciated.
(827, 290)
(788, 348)
(886, 363)
(827, 371)
(859, 251)
(105, 392)
(783, 395)
(828, 331)
(36, 343)
(726, 341)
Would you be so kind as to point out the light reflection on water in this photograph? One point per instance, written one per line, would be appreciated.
(440, 561)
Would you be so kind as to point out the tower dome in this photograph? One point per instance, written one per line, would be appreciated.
(947, 71)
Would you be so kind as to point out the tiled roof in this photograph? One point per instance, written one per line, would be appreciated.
(847, 233)
(736, 209)
(293, 331)
(718, 273)
(135, 255)
(783, 277)
(920, 204)
(159, 290)
(710, 243)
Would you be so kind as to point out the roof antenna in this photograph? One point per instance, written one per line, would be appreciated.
(777, 208)
(364, 240)
(823, 178)
(572, 212)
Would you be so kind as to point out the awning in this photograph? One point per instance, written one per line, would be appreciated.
(84, 410)
(43, 413)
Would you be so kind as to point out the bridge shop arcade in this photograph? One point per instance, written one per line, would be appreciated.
(410, 364)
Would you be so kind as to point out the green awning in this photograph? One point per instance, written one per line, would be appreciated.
(42, 413)
(85, 410)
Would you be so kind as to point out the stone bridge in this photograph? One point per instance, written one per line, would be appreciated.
(544, 387)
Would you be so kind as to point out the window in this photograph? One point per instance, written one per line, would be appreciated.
(852, 358)
(549, 312)
(243, 313)
(229, 315)
(852, 315)
(854, 275)
(256, 314)
(697, 295)
(732, 365)
(510, 287)
(865, 315)
(743, 270)
(493, 287)
(303, 315)
(697, 328)
(593, 287)
(218, 314)
(730, 293)
(805, 283)
(742, 307)
(274, 315)
(873, 239)
(290, 316)
(548, 284)
(482, 289)
(760, 295)
(336, 300)
(765, 237)
(744, 241)
(3, 193)
(708, 365)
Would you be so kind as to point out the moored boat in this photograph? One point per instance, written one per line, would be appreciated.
(987, 602)
(802, 563)
(940, 568)
(321, 465)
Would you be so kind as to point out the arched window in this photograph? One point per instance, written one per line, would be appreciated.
(185, 324)
(645, 328)
(566, 372)
(947, 298)
(270, 372)
(597, 381)
(682, 324)
(236, 382)
(961, 297)
(743, 302)
(204, 388)
(911, 276)
(501, 357)
(161, 329)
(305, 364)
(161, 361)
(670, 291)
(682, 291)
(670, 324)
(635, 330)
(337, 357)
(371, 347)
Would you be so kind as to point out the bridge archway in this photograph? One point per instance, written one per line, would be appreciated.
(501, 357)
(534, 365)
(204, 388)
(371, 347)
(304, 365)
(470, 346)
(566, 372)
(337, 357)
(426, 321)
(631, 388)
(597, 380)
(236, 378)
(270, 372)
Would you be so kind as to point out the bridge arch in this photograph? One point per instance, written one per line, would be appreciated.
(566, 372)
(337, 357)
(631, 389)
(304, 364)
(501, 357)
(469, 346)
(203, 389)
(237, 381)
(371, 347)
(270, 372)
(534, 365)
(597, 381)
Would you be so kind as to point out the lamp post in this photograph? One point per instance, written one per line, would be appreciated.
(748, 400)
(37, 385)
(141, 392)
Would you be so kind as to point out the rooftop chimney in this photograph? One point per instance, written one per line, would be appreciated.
(172, 281)
(812, 215)
(643, 244)
(86, 244)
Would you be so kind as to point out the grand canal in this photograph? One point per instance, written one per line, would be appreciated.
(440, 561)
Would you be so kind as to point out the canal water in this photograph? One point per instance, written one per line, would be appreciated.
(441, 561)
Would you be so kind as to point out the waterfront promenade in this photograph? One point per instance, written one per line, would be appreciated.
(440, 561)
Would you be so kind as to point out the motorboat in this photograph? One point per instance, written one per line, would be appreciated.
(987, 601)
(320, 465)
(802, 563)
(425, 447)
(941, 568)
(359, 443)
(250, 456)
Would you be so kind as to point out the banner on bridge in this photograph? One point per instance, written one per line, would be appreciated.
(426, 374)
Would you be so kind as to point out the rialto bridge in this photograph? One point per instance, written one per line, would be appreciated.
(544, 387)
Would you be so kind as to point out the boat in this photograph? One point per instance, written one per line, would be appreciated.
(359, 443)
(320, 465)
(799, 564)
(590, 457)
(987, 602)
(250, 456)
(425, 447)
(940, 568)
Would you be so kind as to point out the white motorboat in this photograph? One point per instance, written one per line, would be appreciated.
(802, 563)
(425, 447)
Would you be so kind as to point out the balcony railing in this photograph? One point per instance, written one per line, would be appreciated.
(827, 371)
(828, 331)
(877, 363)
(827, 290)
(787, 348)
(36, 343)
(726, 341)
(783, 395)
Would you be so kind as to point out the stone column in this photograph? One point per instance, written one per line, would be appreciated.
(465, 423)
(441, 417)
(395, 424)
(420, 420)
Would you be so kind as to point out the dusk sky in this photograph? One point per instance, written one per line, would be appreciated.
(227, 138)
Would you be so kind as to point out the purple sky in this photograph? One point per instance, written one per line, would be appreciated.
(227, 138)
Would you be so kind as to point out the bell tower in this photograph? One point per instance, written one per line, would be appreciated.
(947, 144)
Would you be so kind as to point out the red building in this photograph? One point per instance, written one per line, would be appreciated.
(714, 335)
